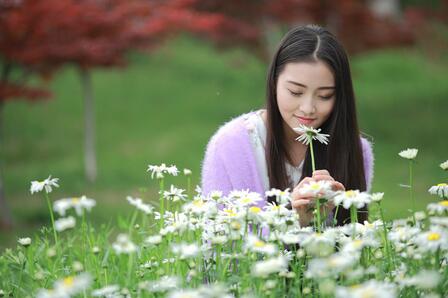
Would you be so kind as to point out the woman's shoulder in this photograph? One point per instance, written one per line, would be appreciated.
(231, 130)
(366, 144)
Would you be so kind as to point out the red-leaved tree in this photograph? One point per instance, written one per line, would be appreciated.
(353, 21)
(39, 37)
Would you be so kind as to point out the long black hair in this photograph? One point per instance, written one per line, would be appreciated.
(342, 157)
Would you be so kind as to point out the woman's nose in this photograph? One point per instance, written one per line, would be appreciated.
(307, 106)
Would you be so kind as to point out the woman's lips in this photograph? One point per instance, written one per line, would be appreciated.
(305, 121)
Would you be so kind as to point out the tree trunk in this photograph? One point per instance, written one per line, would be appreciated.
(5, 212)
(89, 127)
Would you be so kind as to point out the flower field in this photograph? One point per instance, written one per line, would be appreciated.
(237, 245)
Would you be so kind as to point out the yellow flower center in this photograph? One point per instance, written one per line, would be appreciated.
(442, 184)
(357, 243)
(230, 212)
(246, 200)
(198, 203)
(433, 236)
(368, 293)
(276, 207)
(444, 203)
(68, 281)
(350, 193)
(315, 186)
(75, 200)
(259, 243)
(254, 209)
(235, 225)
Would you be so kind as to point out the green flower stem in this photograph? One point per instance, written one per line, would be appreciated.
(437, 259)
(190, 195)
(52, 218)
(161, 200)
(354, 218)
(133, 219)
(389, 255)
(411, 191)
(313, 165)
(130, 263)
(335, 216)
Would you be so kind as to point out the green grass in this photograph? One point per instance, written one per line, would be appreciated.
(165, 106)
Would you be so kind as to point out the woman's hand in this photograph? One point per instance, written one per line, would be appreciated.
(302, 201)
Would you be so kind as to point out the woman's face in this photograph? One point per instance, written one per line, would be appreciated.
(306, 93)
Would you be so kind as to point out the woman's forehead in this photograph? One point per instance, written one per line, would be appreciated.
(310, 74)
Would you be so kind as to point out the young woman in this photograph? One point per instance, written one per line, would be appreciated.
(308, 82)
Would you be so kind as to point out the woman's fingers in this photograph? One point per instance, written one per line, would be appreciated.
(338, 186)
(321, 172)
(304, 181)
(323, 177)
(299, 203)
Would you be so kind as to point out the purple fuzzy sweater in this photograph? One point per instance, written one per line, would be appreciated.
(230, 164)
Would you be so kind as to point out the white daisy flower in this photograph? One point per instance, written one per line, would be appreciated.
(164, 284)
(352, 197)
(425, 279)
(138, 203)
(438, 208)
(254, 244)
(215, 290)
(402, 234)
(62, 205)
(444, 165)
(67, 287)
(377, 196)
(24, 241)
(201, 207)
(153, 240)
(107, 291)
(321, 188)
(63, 224)
(250, 199)
(432, 240)
(440, 221)
(175, 194)
(172, 170)
(47, 184)
(351, 246)
(269, 266)
(309, 133)
(84, 203)
(159, 171)
(79, 204)
(319, 244)
(290, 238)
(185, 293)
(335, 264)
(123, 245)
(282, 196)
(77, 266)
(215, 195)
(440, 189)
(409, 153)
(185, 251)
(370, 288)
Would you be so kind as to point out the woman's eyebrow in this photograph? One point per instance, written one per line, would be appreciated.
(301, 85)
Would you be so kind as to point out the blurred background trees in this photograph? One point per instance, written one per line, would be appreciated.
(45, 44)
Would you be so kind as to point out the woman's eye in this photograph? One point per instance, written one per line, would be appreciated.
(327, 96)
(295, 93)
